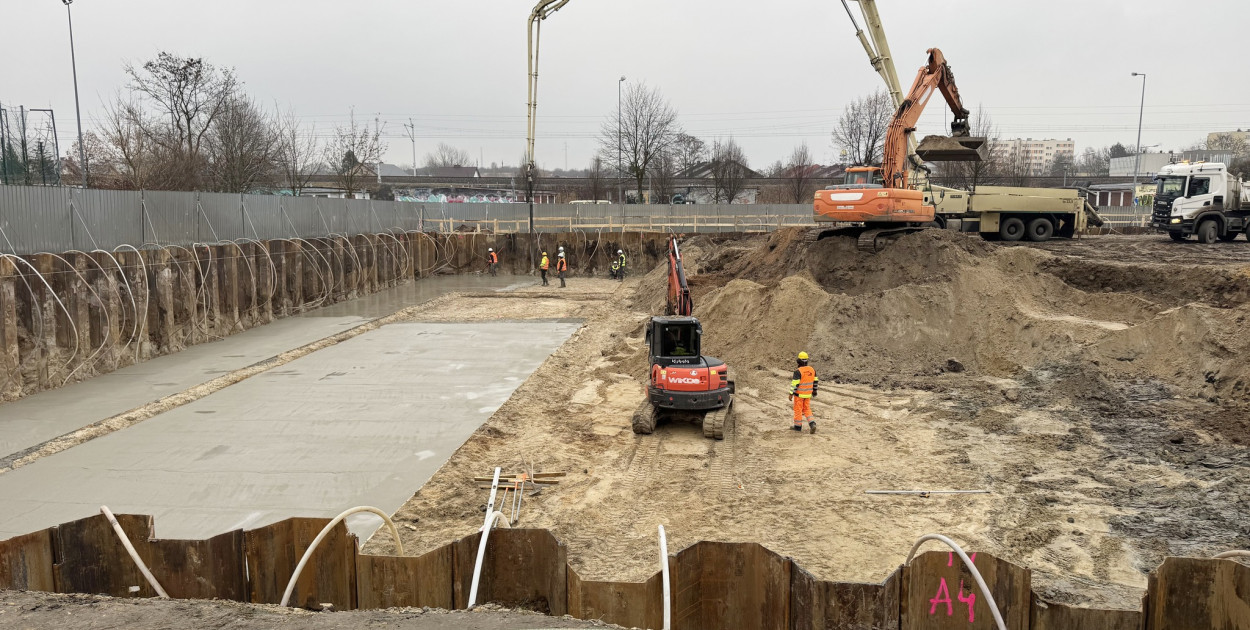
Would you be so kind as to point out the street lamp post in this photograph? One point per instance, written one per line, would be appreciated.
(1140, 114)
(620, 185)
(82, 148)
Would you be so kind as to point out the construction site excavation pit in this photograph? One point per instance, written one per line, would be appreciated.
(1095, 389)
(360, 422)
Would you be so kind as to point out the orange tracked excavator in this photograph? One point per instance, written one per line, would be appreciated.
(684, 384)
(890, 207)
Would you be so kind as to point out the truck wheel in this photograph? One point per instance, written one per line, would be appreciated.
(1206, 232)
(1179, 237)
(1040, 230)
(1012, 229)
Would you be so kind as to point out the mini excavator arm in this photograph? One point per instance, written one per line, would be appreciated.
(679, 302)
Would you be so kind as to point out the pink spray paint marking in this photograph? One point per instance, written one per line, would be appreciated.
(943, 596)
(950, 558)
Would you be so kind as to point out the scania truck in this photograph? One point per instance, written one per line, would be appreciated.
(1201, 199)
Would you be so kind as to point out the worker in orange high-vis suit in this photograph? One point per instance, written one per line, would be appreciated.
(492, 259)
(542, 266)
(562, 265)
(802, 389)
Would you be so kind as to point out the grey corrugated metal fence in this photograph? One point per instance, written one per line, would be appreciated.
(38, 219)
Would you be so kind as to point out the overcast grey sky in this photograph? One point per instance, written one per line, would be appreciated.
(772, 74)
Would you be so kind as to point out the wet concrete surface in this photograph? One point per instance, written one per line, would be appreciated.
(363, 422)
(33, 420)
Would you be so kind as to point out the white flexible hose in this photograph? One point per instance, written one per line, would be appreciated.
(1232, 554)
(668, 607)
(487, 524)
(976, 575)
(399, 545)
(130, 549)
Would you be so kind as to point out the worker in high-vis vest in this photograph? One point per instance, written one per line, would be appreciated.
(562, 265)
(542, 266)
(492, 259)
(803, 387)
(618, 265)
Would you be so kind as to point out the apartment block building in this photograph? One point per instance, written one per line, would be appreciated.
(1036, 155)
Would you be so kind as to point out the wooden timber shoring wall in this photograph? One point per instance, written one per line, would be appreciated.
(715, 585)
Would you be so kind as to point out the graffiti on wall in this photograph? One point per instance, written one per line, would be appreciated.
(447, 195)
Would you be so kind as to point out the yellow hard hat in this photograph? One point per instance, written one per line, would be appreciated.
(802, 356)
(544, 253)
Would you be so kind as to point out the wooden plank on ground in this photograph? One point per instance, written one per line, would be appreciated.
(1199, 593)
(1051, 616)
(392, 581)
(91, 559)
(522, 568)
(329, 577)
(939, 593)
(816, 604)
(198, 569)
(26, 563)
(731, 585)
(626, 604)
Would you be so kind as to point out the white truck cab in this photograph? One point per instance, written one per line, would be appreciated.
(1201, 199)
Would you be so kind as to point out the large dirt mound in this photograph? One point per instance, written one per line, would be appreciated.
(937, 295)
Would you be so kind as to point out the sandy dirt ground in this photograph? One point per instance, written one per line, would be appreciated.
(40, 611)
(1097, 389)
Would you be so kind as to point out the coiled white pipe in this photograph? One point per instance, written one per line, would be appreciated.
(130, 549)
(976, 575)
(668, 607)
(399, 545)
(1232, 554)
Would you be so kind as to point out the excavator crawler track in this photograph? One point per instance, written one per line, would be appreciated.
(645, 418)
(716, 422)
(875, 240)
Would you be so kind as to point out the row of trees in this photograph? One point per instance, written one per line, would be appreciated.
(184, 124)
(644, 142)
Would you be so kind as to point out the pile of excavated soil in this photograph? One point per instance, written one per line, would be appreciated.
(1108, 426)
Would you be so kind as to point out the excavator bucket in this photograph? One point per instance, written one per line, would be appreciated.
(953, 149)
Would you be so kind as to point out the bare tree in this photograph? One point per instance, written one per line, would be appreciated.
(190, 94)
(1016, 169)
(647, 128)
(969, 175)
(446, 156)
(799, 175)
(131, 148)
(1094, 161)
(596, 180)
(862, 128)
(353, 152)
(688, 151)
(729, 171)
(1228, 142)
(663, 177)
(297, 153)
(242, 147)
(104, 166)
(775, 170)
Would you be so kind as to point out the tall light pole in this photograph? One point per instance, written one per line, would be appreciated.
(82, 148)
(1140, 114)
(620, 187)
(412, 135)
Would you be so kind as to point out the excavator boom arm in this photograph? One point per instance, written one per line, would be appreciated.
(935, 75)
(679, 302)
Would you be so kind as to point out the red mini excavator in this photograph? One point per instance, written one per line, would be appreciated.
(684, 384)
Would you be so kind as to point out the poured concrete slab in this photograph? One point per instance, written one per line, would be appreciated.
(33, 420)
(364, 422)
